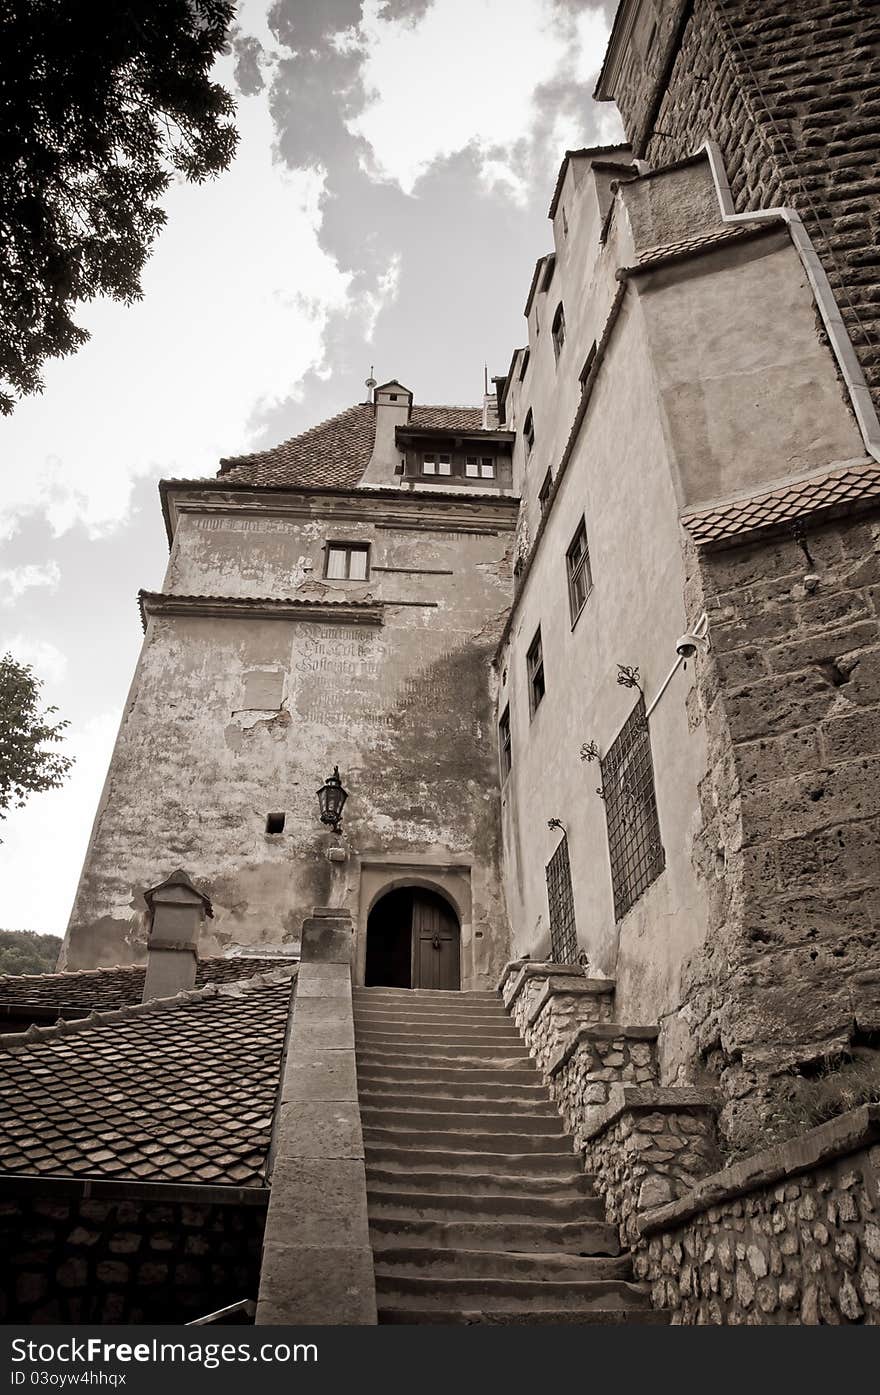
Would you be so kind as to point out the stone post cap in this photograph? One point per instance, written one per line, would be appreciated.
(327, 936)
(179, 890)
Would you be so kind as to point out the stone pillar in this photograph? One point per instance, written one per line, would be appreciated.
(317, 1262)
(177, 914)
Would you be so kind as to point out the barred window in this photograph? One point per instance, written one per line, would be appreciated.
(637, 856)
(504, 745)
(535, 669)
(580, 579)
(563, 930)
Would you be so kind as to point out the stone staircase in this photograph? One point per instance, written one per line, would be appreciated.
(479, 1209)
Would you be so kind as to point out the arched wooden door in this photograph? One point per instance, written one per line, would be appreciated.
(413, 941)
(436, 943)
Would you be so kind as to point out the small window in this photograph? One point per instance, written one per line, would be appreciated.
(564, 222)
(524, 363)
(479, 467)
(347, 561)
(504, 747)
(535, 669)
(544, 493)
(558, 329)
(274, 823)
(577, 562)
(588, 365)
(529, 431)
(435, 463)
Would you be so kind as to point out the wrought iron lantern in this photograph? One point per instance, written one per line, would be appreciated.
(331, 799)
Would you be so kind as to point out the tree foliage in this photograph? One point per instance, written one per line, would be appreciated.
(27, 952)
(100, 105)
(26, 765)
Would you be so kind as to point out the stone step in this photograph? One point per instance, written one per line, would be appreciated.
(491, 1016)
(451, 1102)
(517, 1072)
(397, 1155)
(443, 1054)
(466, 1035)
(425, 1093)
(416, 1261)
(512, 1295)
(449, 1206)
(423, 996)
(470, 1142)
(451, 1182)
(521, 1237)
(504, 1317)
(539, 1120)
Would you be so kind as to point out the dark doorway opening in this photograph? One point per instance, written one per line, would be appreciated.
(413, 941)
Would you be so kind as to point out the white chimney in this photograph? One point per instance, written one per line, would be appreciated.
(177, 913)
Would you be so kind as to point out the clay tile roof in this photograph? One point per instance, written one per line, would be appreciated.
(178, 1090)
(96, 989)
(336, 452)
(704, 242)
(837, 488)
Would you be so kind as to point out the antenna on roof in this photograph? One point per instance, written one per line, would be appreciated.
(485, 379)
(370, 384)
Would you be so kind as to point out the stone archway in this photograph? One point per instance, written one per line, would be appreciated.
(413, 941)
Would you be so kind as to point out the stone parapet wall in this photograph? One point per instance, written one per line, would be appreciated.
(583, 1075)
(70, 1259)
(646, 1147)
(549, 1002)
(789, 1236)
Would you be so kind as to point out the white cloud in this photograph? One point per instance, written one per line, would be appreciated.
(45, 843)
(170, 384)
(16, 580)
(47, 661)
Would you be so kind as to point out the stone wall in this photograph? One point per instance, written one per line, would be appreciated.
(790, 695)
(791, 98)
(549, 1002)
(583, 1075)
(790, 1236)
(109, 1259)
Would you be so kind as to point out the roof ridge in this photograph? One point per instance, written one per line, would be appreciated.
(15, 1041)
(133, 968)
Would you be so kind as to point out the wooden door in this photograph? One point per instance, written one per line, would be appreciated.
(435, 938)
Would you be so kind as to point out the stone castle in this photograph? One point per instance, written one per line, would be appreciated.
(598, 663)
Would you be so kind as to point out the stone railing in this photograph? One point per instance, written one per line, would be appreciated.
(649, 1146)
(595, 1058)
(790, 1235)
(549, 1002)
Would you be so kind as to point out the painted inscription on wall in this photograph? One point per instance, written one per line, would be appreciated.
(338, 673)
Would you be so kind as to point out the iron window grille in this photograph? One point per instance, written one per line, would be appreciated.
(347, 562)
(563, 930)
(535, 669)
(557, 330)
(580, 578)
(634, 846)
(504, 744)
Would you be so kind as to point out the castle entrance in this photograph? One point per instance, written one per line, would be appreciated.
(413, 941)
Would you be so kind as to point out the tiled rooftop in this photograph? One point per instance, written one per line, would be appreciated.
(177, 1090)
(844, 486)
(111, 988)
(337, 451)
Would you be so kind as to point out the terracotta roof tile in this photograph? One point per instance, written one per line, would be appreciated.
(336, 452)
(180, 1089)
(97, 989)
(843, 486)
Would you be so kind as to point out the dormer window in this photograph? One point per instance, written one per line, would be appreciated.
(436, 463)
(529, 432)
(558, 330)
(479, 467)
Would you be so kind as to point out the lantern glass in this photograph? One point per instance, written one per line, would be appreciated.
(331, 799)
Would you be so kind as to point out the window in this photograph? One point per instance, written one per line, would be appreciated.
(504, 743)
(535, 668)
(634, 847)
(557, 329)
(435, 463)
(588, 365)
(479, 467)
(347, 561)
(529, 431)
(577, 562)
(564, 222)
(563, 931)
(524, 363)
(544, 493)
(274, 823)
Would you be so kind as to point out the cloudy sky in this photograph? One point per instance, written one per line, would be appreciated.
(386, 207)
